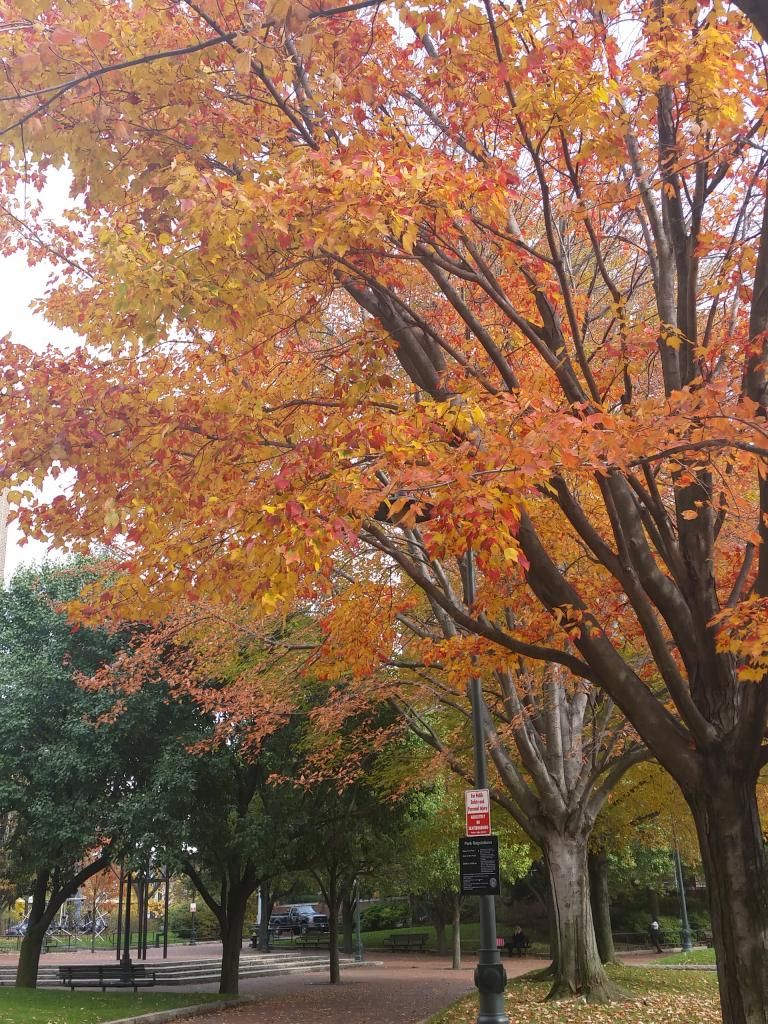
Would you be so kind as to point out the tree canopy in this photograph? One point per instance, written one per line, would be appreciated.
(433, 277)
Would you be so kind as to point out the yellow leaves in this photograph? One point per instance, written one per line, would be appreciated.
(743, 632)
(409, 236)
(242, 63)
(292, 15)
(461, 415)
(111, 514)
(672, 336)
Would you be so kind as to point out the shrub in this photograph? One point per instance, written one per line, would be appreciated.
(384, 915)
(180, 922)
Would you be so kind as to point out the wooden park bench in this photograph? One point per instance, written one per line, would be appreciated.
(106, 976)
(406, 941)
(520, 949)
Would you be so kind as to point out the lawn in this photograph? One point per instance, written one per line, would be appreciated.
(661, 997)
(470, 937)
(696, 956)
(42, 1006)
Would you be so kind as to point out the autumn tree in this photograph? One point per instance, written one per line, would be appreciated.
(559, 748)
(515, 261)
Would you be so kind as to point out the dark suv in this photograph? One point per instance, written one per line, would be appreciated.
(304, 918)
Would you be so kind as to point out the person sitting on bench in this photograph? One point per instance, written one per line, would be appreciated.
(517, 942)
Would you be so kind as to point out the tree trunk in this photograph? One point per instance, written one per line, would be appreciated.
(578, 970)
(231, 943)
(32, 943)
(29, 957)
(333, 931)
(348, 922)
(456, 932)
(266, 913)
(733, 854)
(601, 905)
(442, 945)
(551, 923)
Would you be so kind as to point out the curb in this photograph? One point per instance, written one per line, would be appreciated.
(180, 1012)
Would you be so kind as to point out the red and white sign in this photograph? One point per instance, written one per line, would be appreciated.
(477, 805)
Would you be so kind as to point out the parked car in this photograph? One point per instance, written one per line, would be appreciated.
(279, 923)
(304, 918)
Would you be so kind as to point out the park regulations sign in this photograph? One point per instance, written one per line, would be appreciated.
(477, 807)
(479, 865)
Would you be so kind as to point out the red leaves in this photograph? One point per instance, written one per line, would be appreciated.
(99, 40)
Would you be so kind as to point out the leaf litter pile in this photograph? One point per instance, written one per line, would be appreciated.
(653, 997)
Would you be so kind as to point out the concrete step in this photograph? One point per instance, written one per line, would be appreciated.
(201, 972)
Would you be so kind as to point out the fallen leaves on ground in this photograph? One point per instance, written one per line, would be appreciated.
(653, 997)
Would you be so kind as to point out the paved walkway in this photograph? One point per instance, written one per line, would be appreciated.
(404, 990)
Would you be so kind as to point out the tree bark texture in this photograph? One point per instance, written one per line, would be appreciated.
(29, 957)
(601, 905)
(578, 966)
(231, 945)
(456, 933)
(266, 913)
(333, 930)
(733, 854)
(348, 922)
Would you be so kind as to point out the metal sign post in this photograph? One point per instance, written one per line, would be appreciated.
(490, 976)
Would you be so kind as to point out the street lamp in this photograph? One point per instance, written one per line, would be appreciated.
(686, 932)
(125, 959)
(193, 911)
(490, 976)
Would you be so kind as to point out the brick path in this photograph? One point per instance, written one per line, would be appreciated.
(404, 990)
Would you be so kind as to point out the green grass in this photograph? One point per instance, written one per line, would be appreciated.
(674, 997)
(470, 937)
(43, 1006)
(696, 956)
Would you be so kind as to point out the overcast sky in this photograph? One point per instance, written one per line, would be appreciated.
(22, 285)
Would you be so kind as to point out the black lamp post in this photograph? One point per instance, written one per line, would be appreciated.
(126, 957)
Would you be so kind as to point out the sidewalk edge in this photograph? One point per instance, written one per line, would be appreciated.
(180, 1012)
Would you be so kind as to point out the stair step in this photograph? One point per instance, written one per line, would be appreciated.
(201, 972)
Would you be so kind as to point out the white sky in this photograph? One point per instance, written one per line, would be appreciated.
(22, 285)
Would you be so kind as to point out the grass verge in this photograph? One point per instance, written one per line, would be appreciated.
(43, 1006)
(671, 997)
(696, 956)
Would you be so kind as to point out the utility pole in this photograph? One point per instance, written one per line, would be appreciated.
(490, 976)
